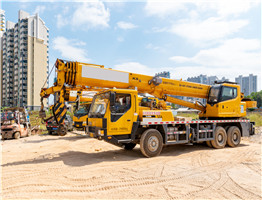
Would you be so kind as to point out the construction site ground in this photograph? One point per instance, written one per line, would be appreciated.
(74, 166)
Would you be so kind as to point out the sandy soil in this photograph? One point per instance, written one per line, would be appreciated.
(74, 166)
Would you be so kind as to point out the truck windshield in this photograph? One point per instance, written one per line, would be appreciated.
(82, 111)
(99, 105)
(214, 94)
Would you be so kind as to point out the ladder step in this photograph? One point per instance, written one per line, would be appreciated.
(124, 141)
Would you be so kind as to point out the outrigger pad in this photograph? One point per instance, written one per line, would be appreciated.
(59, 112)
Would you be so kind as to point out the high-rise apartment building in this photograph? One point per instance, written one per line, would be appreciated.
(2, 29)
(2, 21)
(25, 61)
(248, 84)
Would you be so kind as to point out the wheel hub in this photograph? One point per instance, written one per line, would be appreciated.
(153, 143)
(220, 138)
(235, 137)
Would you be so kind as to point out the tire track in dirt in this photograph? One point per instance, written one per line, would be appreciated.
(236, 189)
(139, 177)
(219, 183)
(185, 177)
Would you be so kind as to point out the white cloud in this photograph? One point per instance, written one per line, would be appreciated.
(179, 71)
(39, 9)
(226, 7)
(71, 49)
(151, 46)
(120, 39)
(202, 22)
(125, 25)
(237, 52)
(164, 9)
(60, 21)
(91, 14)
(220, 7)
(86, 15)
(234, 57)
(207, 30)
(134, 67)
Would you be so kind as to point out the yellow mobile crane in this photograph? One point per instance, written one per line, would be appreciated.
(116, 117)
(81, 95)
(82, 108)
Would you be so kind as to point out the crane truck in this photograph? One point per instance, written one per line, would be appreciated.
(115, 115)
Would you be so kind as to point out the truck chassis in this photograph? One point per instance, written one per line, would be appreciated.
(215, 132)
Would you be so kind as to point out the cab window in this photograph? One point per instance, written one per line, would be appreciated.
(122, 105)
(228, 93)
(214, 94)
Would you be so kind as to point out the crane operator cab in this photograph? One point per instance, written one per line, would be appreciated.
(224, 100)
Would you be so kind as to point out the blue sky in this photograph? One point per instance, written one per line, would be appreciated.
(187, 38)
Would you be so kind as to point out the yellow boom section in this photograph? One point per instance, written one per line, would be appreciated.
(84, 74)
(75, 73)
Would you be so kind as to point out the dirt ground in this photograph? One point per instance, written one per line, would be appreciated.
(75, 166)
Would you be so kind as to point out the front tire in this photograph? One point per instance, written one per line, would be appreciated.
(233, 136)
(17, 135)
(220, 138)
(151, 143)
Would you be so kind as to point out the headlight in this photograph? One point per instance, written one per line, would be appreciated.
(100, 132)
(84, 122)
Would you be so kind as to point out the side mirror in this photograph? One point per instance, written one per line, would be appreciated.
(112, 98)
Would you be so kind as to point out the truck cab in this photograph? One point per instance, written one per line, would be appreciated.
(115, 116)
(81, 115)
(224, 100)
(116, 109)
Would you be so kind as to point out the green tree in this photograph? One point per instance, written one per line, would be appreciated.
(257, 96)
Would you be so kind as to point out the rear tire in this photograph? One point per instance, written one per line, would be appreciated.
(129, 146)
(49, 132)
(220, 138)
(62, 130)
(209, 144)
(17, 135)
(233, 136)
(151, 143)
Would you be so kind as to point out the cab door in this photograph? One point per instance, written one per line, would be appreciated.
(121, 115)
(229, 104)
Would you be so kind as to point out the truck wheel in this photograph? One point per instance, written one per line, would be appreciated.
(151, 143)
(220, 138)
(233, 136)
(49, 132)
(129, 146)
(17, 135)
(62, 130)
(209, 144)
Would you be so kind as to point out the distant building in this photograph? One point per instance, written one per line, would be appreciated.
(163, 74)
(211, 80)
(198, 79)
(248, 84)
(25, 61)
(223, 79)
(2, 30)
